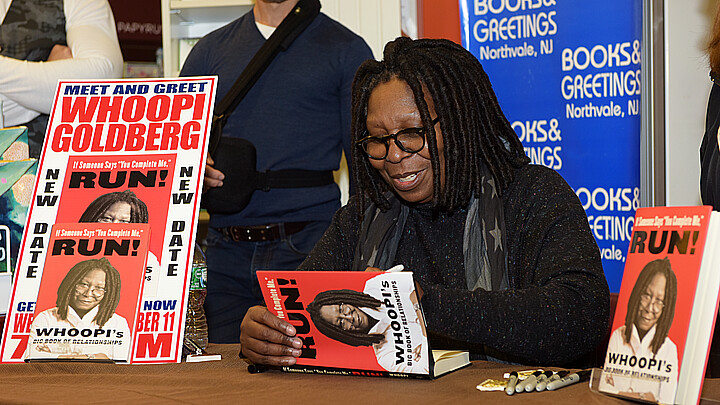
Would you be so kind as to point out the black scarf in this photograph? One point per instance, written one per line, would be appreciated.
(484, 242)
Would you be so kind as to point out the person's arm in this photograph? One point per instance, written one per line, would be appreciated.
(121, 351)
(667, 391)
(36, 350)
(608, 382)
(92, 39)
(267, 339)
(195, 65)
(558, 306)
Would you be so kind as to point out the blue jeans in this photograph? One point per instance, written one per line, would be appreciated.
(232, 286)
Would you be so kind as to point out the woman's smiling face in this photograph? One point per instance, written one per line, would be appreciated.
(392, 108)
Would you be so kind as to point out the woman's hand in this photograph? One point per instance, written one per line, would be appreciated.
(267, 339)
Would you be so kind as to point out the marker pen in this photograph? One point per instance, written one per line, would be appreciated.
(570, 379)
(520, 387)
(512, 380)
(543, 380)
(554, 377)
(531, 381)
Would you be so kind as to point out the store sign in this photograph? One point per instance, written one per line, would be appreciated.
(567, 75)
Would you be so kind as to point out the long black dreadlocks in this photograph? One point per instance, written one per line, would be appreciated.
(475, 130)
(653, 268)
(138, 209)
(337, 297)
(110, 299)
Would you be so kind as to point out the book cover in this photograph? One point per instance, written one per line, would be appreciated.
(89, 293)
(17, 177)
(667, 287)
(352, 323)
(125, 151)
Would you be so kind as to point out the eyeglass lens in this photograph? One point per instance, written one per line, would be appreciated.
(410, 140)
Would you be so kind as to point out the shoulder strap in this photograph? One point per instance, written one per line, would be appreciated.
(290, 28)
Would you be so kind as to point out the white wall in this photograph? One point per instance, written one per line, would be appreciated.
(687, 24)
(377, 21)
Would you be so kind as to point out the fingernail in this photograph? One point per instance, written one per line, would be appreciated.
(296, 352)
(290, 330)
(297, 343)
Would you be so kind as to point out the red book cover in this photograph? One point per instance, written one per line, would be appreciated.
(124, 151)
(352, 323)
(662, 290)
(89, 293)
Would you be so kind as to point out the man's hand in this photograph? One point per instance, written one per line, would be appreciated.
(267, 339)
(213, 176)
(59, 52)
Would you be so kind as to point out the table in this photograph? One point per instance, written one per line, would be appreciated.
(228, 381)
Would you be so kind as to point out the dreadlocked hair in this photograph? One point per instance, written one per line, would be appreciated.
(337, 297)
(96, 209)
(653, 268)
(475, 131)
(110, 299)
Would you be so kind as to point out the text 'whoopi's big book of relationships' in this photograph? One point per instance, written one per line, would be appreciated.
(666, 308)
(120, 151)
(357, 323)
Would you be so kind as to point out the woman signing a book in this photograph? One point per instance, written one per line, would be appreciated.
(501, 249)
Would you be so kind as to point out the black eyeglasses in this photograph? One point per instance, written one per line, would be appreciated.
(410, 140)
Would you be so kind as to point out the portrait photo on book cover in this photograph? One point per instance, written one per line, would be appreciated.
(119, 189)
(382, 316)
(83, 323)
(642, 360)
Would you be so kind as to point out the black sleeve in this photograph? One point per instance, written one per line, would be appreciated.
(557, 308)
(335, 249)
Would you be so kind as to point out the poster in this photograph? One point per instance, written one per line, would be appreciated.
(567, 75)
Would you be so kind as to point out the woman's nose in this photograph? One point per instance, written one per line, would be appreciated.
(395, 154)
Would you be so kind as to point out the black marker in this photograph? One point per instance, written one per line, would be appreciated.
(256, 368)
(512, 380)
(554, 377)
(543, 380)
(570, 379)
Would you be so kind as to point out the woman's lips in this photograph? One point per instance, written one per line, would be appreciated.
(406, 181)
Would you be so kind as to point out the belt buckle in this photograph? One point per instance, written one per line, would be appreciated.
(235, 234)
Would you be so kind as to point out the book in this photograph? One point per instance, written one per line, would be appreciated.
(127, 150)
(666, 308)
(357, 323)
(89, 295)
(17, 177)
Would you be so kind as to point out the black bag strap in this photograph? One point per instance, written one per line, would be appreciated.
(290, 28)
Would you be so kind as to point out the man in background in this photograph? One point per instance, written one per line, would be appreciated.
(297, 116)
(43, 41)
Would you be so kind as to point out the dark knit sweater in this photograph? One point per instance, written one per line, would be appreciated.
(557, 307)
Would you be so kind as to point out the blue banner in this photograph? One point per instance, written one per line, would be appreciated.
(567, 75)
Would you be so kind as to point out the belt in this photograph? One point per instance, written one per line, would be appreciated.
(262, 233)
